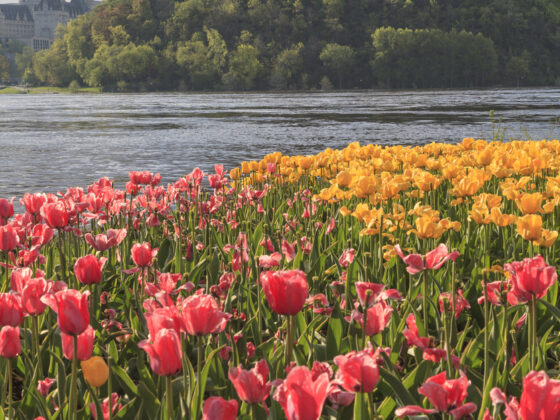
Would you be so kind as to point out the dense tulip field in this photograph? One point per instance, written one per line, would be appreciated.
(369, 282)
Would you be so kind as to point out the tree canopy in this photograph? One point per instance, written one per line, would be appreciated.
(303, 44)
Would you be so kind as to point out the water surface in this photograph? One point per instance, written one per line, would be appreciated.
(51, 142)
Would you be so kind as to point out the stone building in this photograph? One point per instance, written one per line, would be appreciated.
(34, 21)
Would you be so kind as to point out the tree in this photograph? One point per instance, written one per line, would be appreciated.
(24, 60)
(288, 67)
(337, 60)
(244, 68)
(517, 68)
(4, 69)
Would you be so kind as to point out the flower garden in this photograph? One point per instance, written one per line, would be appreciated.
(369, 282)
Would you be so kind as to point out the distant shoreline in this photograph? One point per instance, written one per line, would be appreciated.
(15, 90)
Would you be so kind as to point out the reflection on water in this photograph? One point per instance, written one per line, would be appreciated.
(51, 142)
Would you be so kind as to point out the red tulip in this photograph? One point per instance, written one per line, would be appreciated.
(140, 177)
(88, 269)
(160, 318)
(115, 407)
(413, 336)
(165, 352)
(357, 371)
(85, 344)
(33, 202)
(446, 395)
(216, 408)
(268, 261)
(8, 238)
(202, 315)
(143, 254)
(55, 214)
(11, 312)
(44, 386)
(102, 242)
(301, 396)
(10, 343)
(531, 277)
(540, 399)
(347, 257)
(19, 278)
(363, 287)
(378, 316)
(72, 309)
(460, 302)
(252, 386)
(285, 291)
(41, 235)
(31, 295)
(431, 261)
(6, 209)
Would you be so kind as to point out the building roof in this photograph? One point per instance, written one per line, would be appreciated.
(16, 12)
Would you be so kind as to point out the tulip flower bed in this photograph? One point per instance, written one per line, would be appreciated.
(370, 282)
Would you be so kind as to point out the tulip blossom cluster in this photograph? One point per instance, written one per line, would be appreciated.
(365, 282)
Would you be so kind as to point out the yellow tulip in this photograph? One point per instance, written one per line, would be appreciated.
(501, 219)
(234, 174)
(547, 238)
(95, 370)
(530, 203)
(344, 178)
(530, 226)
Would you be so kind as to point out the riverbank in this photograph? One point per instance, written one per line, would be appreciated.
(11, 90)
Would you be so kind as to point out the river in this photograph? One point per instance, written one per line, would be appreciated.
(50, 142)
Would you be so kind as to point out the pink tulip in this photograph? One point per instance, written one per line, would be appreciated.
(10, 343)
(216, 408)
(164, 351)
(88, 269)
(202, 315)
(11, 312)
(85, 344)
(431, 261)
(72, 309)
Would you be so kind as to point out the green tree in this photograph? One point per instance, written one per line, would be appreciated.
(244, 68)
(518, 68)
(24, 60)
(288, 67)
(338, 60)
(4, 69)
(52, 66)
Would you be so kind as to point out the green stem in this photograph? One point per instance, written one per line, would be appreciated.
(36, 348)
(253, 410)
(110, 388)
(199, 374)
(6, 272)
(289, 340)
(72, 406)
(169, 397)
(425, 302)
(10, 390)
(185, 368)
(505, 336)
(62, 257)
(486, 335)
(446, 328)
(364, 408)
(533, 332)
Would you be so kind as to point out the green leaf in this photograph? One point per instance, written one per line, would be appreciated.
(402, 395)
(126, 382)
(334, 334)
(149, 401)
